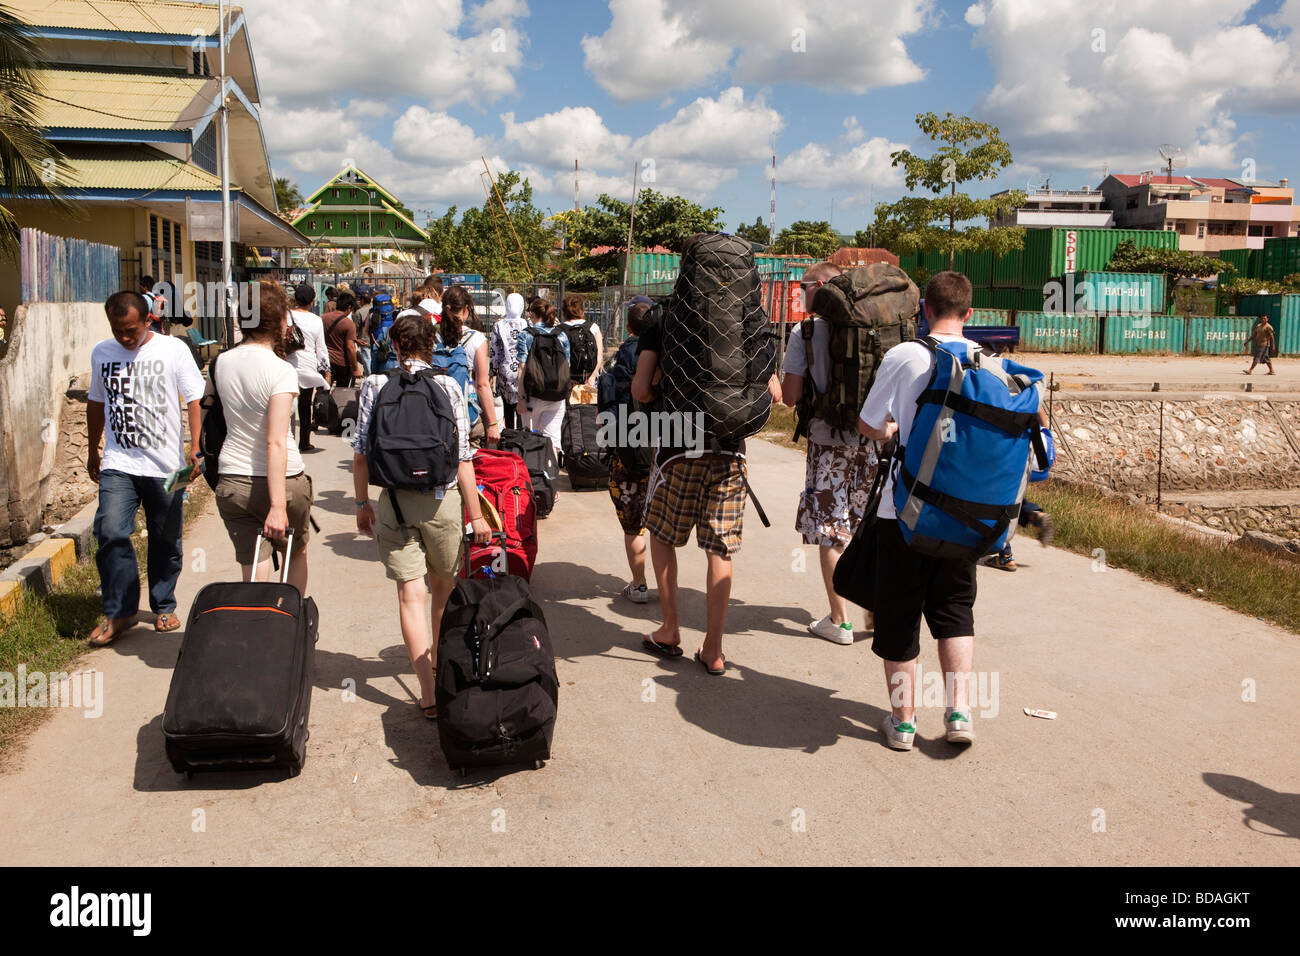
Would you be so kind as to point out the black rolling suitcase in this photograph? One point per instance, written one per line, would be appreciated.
(539, 458)
(342, 409)
(581, 448)
(241, 690)
(497, 692)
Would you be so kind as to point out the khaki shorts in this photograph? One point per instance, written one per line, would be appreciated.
(432, 540)
(707, 494)
(243, 502)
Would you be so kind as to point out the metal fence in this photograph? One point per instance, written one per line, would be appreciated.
(59, 269)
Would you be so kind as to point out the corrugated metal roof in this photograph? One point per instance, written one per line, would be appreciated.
(133, 16)
(89, 99)
(91, 167)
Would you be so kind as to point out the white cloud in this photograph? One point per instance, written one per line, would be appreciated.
(422, 136)
(557, 139)
(853, 132)
(975, 15)
(307, 49)
(856, 171)
(653, 47)
(725, 130)
(1123, 78)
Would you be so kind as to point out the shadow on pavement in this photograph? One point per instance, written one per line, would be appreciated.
(1271, 808)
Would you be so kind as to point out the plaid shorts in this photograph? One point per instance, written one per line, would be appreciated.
(705, 493)
(628, 495)
(836, 487)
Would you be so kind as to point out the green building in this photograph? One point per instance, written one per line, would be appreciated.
(354, 212)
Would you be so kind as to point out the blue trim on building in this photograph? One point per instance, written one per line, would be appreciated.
(132, 36)
(80, 134)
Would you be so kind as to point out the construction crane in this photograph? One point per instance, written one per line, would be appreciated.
(513, 259)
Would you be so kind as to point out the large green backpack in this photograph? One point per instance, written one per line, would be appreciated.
(868, 311)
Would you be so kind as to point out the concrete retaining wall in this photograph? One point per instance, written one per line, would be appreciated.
(49, 348)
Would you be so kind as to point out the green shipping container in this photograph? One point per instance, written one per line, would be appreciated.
(654, 268)
(1113, 292)
(1007, 269)
(1030, 299)
(1249, 263)
(982, 298)
(1006, 298)
(1057, 332)
(990, 317)
(933, 262)
(1217, 335)
(1130, 334)
(1280, 258)
(1053, 252)
(1283, 312)
(978, 267)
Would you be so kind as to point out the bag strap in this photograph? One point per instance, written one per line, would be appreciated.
(762, 515)
(1013, 423)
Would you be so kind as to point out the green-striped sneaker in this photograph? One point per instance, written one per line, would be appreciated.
(959, 727)
(898, 734)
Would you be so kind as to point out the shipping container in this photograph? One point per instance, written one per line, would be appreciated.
(990, 317)
(1249, 263)
(1280, 258)
(1110, 292)
(1128, 334)
(1217, 335)
(982, 298)
(654, 268)
(1008, 268)
(1030, 299)
(1007, 299)
(851, 257)
(909, 262)
(1056, 251)
(933, 262)
(1283, 312)
(1057, 332)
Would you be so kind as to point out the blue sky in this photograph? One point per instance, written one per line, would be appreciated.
(693, 92)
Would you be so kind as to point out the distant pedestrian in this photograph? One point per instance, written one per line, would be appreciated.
(361, 318)
(311, 358)
(264, 488)
(454, 329)
(586, 344)
(139, 380)
(841, 463)
(543, 412)
(341, 341)
(1265, 342)
(157, 306)
(503, 361)
(419, 533)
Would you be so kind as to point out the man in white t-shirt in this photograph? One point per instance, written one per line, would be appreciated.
(139, 379)
(841, 464)
(312, 360)
(910, 584)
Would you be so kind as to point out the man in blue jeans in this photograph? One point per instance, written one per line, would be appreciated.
(139, 379)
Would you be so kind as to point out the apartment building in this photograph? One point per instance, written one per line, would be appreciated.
(1070, 208)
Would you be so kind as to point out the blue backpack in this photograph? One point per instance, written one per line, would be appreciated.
(382, 313)
(614, 399)
(961, 478)
(455, 362)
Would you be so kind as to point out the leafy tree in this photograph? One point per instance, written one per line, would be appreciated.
(883, 233)
(757, 233)
(660, 221)
(287, 195)
(1173, 264)
(25, 154)
(481, 242)
(806, 238)
(970, 151)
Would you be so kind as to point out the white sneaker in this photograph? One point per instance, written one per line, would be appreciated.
(898, 735)
(637, 594)
(830, 631)
(958, 727)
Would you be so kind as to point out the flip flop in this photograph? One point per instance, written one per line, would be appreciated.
(715, 673)
(166, 621)
(430, 711)
(102, 628)
(661, 650)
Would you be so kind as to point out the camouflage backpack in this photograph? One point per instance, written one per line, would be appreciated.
(868, 311)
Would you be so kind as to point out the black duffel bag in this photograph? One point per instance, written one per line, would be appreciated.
(855, 572)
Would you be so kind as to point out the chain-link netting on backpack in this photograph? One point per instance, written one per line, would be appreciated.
(719, 351)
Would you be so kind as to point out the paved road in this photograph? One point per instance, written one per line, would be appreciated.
(1221, 372)
(778, 762)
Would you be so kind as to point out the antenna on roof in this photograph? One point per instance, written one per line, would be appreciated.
(1173, 156)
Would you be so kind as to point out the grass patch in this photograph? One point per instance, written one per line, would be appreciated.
(1248, 581)
(780, 427)
(49, 633)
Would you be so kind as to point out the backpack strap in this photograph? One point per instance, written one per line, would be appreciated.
(805, 407)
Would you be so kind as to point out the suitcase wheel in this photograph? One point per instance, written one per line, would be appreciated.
(539, 764)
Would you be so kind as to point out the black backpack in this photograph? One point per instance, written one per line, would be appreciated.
(614, 399)
(212, 433)
(412, 443)
(497, 691)
(546, 373)
(718, 351)
(539, 458)
(582, 352)
(579, 440)
(868, 311)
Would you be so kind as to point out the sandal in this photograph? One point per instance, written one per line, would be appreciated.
(715, 673)
(166, 621)
(105, 627)
(662, 650)
(430, 710)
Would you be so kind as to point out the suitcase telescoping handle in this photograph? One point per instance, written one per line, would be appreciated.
(257, 551)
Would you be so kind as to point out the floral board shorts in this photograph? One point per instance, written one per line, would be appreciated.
(628, 495)
(835, 492)
(705, 493)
